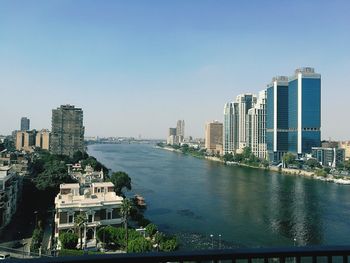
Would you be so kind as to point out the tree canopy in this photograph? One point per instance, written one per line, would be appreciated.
(68, 240)
(120, 180)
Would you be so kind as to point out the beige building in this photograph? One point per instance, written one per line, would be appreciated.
(98, 202)
(213, 137)
(346, 146)
(25, 140)
(42, 139)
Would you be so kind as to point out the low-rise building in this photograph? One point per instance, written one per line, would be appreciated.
(331, 157)
(9, 195)
(346, 146)
(99, 203)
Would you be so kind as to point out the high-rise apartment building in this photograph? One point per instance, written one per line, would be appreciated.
(180, 130)
(25, 140)
(230, 128)
(244, 103)
(256, 127)
(277, 118)
(25, 124)
(213, 137)
(42, 139)
(304, 111)
(171, 136)
(67, 133)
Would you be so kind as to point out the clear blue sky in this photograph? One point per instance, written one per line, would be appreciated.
(135, 67)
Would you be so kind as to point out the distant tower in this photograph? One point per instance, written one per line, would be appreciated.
(230, 129)
(25, 124)
(213, 137)
(180, 130)
(67, 134)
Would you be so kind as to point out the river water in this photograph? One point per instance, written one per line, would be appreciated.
(195, 198)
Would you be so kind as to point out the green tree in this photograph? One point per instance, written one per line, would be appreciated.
(321, 173)
(120, 180)
(80, 221)
(169, 244)
(313, 163)
(107, 235)
(68, 240)
(139, 245)
(37, 238)
(151, 229)
(288, 159)
(228, 157)
(246, 152)
(238, 157)
(125, 211)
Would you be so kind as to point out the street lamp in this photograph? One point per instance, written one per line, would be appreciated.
(219, 241)
(295, 240)
(212, 241)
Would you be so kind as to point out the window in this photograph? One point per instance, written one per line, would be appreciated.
(90, 218)
(70, 218)
(109, 214)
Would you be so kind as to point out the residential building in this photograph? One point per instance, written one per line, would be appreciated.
(346, 146)
(331, 157)
(25, 140)
(256, 127)
(230, 128)
(99, 203)
(244, 103)
(9, 195)
(67, 133)
(87, 176)
(180, 131)
(277, 118)
(25, 124)
(171, 136)
(42, 139)
(213, 137)
(304, 111)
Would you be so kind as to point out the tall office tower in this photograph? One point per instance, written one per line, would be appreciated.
(277, 118)
(245, 102)
(67, 133)
(213, 137)
(304, 115)
(230, 128)
(25, 124)
(42, 139)
(180, 130)
(171, 136)
(256, 127)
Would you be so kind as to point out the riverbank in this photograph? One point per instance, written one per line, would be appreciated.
(286, 171)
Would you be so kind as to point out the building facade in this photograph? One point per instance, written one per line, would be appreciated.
(304, 111)
(42, 139)
(25, 124)
(99, 203)
(256, 127)
(25, 140)
(180, 131)
(330, 157)
(346, 146)
(9, 195)
(67, 133)
(244, 103)
(213, 137)
(277, 118)
(230, 128)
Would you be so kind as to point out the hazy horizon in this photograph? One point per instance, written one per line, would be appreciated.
(136, 67)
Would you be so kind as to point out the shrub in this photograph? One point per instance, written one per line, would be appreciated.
(139, 245)
(68, 240)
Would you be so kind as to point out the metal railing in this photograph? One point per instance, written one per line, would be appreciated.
(262, 255)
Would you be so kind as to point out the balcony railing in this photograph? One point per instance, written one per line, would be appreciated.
(261, 255)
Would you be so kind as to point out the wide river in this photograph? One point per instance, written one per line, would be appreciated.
(195, 198)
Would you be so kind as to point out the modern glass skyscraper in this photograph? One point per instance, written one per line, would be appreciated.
(277, 118)
(25, 123)
(230, 128)
(304, 111)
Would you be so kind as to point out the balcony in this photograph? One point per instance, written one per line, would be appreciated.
(263, 255)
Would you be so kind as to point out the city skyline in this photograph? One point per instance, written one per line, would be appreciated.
(158, 63)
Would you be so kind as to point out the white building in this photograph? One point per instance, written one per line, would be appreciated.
(230, 128)
(99, 203)
(256, 127)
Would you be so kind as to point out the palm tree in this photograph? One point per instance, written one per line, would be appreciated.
(80, 222)
(125, 211)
